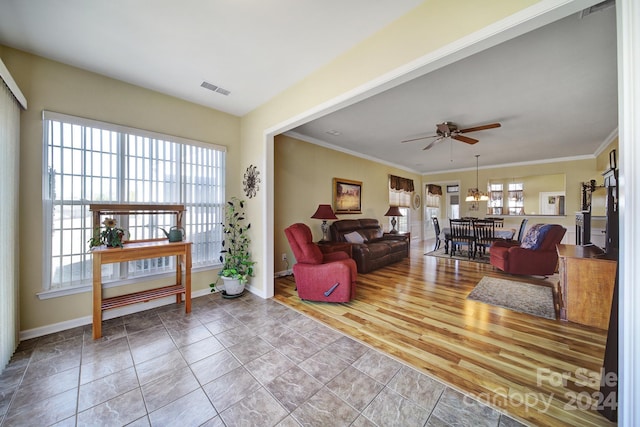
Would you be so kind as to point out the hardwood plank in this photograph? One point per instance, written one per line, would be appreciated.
(417, 312)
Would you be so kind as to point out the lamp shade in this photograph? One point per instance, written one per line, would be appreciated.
(324, 212)
(393, 211)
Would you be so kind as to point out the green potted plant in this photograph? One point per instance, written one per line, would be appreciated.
(112, 236)
(235, 257)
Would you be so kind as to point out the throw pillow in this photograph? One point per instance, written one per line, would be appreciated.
(354, 237)
(379, 233)
(535, 236)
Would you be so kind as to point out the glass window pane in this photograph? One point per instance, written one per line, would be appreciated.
(89, 164)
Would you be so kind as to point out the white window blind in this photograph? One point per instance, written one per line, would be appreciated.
(87, 161)
(9, 215)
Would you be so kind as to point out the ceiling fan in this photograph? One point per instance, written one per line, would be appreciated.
(450, 130)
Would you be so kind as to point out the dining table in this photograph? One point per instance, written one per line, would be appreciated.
(500, 233)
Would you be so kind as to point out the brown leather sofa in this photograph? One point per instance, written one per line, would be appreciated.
(376, 250)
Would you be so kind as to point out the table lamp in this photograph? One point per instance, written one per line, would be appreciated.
(394, 212)
(324, 212)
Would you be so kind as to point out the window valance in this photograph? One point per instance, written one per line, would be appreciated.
(401, 184)
(436, 190)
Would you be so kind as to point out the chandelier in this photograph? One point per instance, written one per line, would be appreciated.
(473, 194)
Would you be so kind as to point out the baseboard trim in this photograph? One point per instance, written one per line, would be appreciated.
(283, 273)
(109, 314)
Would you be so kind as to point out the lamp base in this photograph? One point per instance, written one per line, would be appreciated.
(325, 232)
(393, 225)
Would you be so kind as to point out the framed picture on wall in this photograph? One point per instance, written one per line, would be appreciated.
(347, 196)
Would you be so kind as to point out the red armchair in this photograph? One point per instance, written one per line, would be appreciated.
(329, 277)
(535, 255)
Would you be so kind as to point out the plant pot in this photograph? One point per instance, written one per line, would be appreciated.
(232, 286)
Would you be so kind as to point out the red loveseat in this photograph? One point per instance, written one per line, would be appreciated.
(536, 255)
(329, 277)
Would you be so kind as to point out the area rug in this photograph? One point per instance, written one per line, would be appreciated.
(518, 296)
(440, 254)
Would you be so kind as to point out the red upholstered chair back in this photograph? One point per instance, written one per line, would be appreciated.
(548, 242)
(301, 242)
(554, 236)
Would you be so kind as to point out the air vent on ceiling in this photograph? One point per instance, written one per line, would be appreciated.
(215, 88)
(597, 8)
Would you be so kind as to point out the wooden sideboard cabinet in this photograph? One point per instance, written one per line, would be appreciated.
(586, 285)
(136, 250)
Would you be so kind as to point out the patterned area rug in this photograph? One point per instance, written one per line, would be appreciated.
(518, 296)
(464, 257)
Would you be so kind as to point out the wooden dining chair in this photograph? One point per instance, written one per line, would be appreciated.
(461, 234)
(484, 232)
(523, 226)
(436, 228)
(497, 220)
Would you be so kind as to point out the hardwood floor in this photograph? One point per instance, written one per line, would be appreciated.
(540, 371)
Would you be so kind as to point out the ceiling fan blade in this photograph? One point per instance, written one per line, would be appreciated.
(418, 139)
(465, 139)
(483, 127)
(432, 143)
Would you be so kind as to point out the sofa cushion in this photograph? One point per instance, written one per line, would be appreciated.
(535, 236)
(396, 245)
(378, 250)
(354, 237)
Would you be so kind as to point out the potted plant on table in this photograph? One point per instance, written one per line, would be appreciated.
(112, 236)
(235, 257)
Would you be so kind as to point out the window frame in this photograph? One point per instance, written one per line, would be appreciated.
(515, 198)
(189, 158)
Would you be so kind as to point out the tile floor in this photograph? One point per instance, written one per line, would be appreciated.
(242, 362)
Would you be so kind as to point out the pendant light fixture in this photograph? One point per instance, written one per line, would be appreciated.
(473, 194)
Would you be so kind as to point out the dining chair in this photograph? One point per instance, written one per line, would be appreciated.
(523, 226)
(484, 232)
(461, 234)
(497, 220)
(436, 228)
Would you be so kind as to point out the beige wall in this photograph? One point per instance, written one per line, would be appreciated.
(412, 37)
(52, 86)
(303, 179)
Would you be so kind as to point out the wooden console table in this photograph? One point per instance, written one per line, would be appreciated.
(136, 250)
(586, 285)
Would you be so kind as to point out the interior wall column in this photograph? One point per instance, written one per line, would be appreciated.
(628, 24)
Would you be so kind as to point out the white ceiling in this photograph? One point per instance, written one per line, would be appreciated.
(253, 48)
(553, 90)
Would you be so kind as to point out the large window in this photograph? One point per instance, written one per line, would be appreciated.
(94, 162)
(516, 198)
(400, 191)
(496, 196)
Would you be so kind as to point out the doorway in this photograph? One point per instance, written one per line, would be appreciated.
(443, 206)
